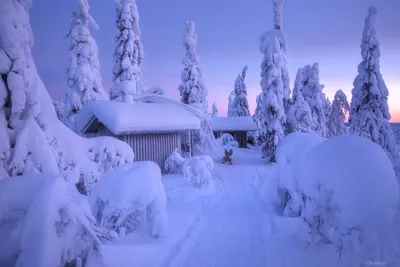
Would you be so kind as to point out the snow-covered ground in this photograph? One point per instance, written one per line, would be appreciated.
(223, 225)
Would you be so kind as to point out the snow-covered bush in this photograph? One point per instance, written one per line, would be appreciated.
(127, 196)
(156, 90)
(227, 140)
(198, 170)
(174, 162)
(351, 195)
(289, 153)
(128, 56)
(45, 222)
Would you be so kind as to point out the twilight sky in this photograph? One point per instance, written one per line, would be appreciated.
(324, 31)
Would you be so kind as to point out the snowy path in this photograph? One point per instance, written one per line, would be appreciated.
(232, 231)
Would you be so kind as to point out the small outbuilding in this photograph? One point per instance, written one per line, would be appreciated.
(153, 130)
(238, 127)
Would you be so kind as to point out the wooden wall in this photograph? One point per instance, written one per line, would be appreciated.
(154, 147)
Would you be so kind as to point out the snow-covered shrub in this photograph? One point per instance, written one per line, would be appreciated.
(126, 196)
(227, 140)
(174, 162)
(289, 153)
(197, 170)
(156, 91)
(350, 188)
(45, 222)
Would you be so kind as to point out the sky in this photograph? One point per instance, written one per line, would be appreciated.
(323, 31)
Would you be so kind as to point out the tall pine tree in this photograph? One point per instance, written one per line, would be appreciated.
(192, 89)
(369, 111)
(337, 116)
(128, 56)
(84, 81)
(272, 113)
(240, 105)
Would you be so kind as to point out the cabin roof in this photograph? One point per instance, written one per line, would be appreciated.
(139, 117)
(233, 124)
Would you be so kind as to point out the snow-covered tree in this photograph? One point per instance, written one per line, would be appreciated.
(83, 73)
(231, 99)
(192, 90)
(339, 109)
(128, 56)
(280, 35)
(32, 139)
(312, 93)
(259, 134)
(271, 114)
(214, 109)
(299, 118)
(369, 111)
(239, 105)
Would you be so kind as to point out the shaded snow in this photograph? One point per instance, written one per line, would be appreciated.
(233, 124)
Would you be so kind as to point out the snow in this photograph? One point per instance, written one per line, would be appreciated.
(123, 195)
(227, 141)
(113, 115)
(233, 124)
(173, 164)
(198, 170)
(238, 104)
(337, 116)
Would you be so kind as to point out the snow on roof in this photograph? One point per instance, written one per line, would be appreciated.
(121, 118)
(233, 124)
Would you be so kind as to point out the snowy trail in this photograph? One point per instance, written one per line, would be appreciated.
(232, 231)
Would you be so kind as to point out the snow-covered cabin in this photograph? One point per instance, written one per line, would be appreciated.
(153, 130)
(238, 127)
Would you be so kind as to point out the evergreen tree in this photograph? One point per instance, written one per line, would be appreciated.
(299, 117)
(231, 99)
(271, 114)
(312, 93)
(214, 109)
(337, 116)
(280, 35)
(83, 73)
(192, 90)
(128, 56)
(240, 105)
(369, 111)
(259, 134)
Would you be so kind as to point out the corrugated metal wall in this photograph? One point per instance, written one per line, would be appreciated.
(154, 147)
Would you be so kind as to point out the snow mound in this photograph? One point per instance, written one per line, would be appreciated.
(173, 164)
(198, 169)
(126, 196)
(296, 145)
(44, 222)
(358, 176)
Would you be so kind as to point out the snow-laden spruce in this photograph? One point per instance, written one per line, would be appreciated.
(259, 134)
(192, 89)
(369, 111)
(312, 93)
(240, 105)
(299, 118)
(280, 35)
(339, 109)
(272, 113)
(214, 109)
(84, 81)
(32, 139)
(231, 99)
(128, 56)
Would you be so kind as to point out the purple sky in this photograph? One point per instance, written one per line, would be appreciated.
(328, 32)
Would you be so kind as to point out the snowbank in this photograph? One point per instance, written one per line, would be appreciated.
(44, 222)
(124, 196)
(198, 170)
(358, 174)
